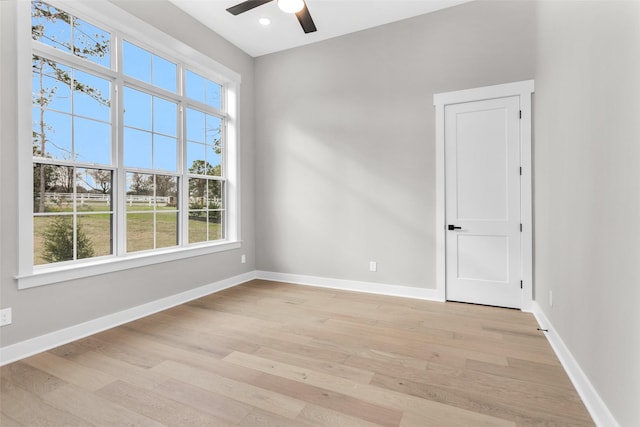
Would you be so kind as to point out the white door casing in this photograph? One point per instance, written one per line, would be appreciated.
(483, 137)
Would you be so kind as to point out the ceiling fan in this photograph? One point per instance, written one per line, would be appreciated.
(299, 7)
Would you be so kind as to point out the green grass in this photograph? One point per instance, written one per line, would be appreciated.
(101, 207)
(97, 228)
(198, 231)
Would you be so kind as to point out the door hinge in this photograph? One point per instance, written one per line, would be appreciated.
(520, 113)
(520, 170)
(521, 228)
(520, 284)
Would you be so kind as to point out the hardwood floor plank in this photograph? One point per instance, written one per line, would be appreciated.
(376, 395)
(339, 370)
(71, 372)
(501, 388)
(335, 354)
(155, 406)
(523, 370)
(29, 378)
(229, 323)
(30, 410)
(7, 421)
(357, 341)
(260, 418)
(252, 312)
(409, 341)
(310, 394)
(71, 350)
(165, 330)
(260, 398)
(152, 350)
(216, 404)
(319, 416)
(490, 402)
(119, 344)
(442, 354)
(124, 371)
(415, 419)
(95, 409)
(390, 360)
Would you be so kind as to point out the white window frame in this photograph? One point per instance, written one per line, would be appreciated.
(123, 25)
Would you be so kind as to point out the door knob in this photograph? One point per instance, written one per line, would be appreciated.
(453, 227)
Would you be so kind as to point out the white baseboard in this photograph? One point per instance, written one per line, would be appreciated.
(590, 397)
(54, 339)
(352, 285)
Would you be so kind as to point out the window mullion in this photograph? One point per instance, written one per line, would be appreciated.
(70, 60)
(74, 217)
(155, 211)
(149, 88)
(223, 144)
(184, 181)
(213, 111)
(120, 210)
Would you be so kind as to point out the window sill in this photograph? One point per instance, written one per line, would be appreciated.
(50, 275)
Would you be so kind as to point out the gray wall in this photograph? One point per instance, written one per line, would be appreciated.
(48, 308)
(346, 139)
(587, 190)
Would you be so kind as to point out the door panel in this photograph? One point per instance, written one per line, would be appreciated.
(481, 152)
(482, 163)
(484, 258)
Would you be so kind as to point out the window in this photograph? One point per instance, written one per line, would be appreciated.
(71, 136)
(151, 162)
(132, 154)
(206, 188)
(61, 30)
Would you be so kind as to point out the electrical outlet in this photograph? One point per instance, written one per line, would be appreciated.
(5, 316)
(550, 298)
(373, 266)
(243, 258)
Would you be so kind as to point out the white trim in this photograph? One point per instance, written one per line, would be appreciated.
(526, 195)
(232, 145)
(351, 285)
(590, 397)
(24, 128)
(110, 264)
(523, 90)
(440, 235)
(482, 93)
(54, 339)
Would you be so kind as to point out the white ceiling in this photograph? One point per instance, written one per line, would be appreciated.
(333, 18)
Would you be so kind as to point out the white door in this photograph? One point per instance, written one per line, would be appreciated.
(482, 202)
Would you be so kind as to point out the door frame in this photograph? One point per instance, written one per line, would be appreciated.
(524, 90)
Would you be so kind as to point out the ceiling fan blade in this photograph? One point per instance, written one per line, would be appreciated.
(304, 17)
(245, 6)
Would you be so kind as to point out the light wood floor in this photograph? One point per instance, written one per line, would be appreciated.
(274, 354)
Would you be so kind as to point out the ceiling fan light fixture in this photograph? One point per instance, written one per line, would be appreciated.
(291, 6)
